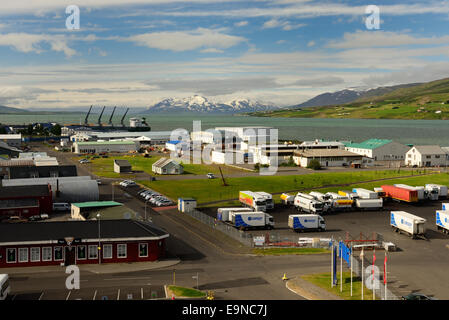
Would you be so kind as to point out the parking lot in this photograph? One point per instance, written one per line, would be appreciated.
(417, 265)
(123, 293)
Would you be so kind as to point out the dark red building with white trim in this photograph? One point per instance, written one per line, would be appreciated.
(25, 201)
(78, 242)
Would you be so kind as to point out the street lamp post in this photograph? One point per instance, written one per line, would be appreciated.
(99, 246)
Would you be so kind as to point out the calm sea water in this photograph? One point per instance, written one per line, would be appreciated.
(405, 131)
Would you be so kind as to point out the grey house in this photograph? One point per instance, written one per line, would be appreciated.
(167, 166)
(122, 166)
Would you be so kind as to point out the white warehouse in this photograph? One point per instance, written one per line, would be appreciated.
(104, 146)
(379, 149)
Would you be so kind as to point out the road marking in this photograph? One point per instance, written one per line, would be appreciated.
(141, 292)
(118, 294)
(95, 294)
(68, 295)
(42, 294)
(120, 279)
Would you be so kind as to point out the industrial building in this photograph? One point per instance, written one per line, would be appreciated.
(321, 144)
(167, 166)
(379, 149)
(80, 242)
(248, 136)
(266, 154)
(25, 201)
(64, 189)
(12, 140)
(426, 156)
(328, 157)
(106, 209)
(104, 146)
(122, 166)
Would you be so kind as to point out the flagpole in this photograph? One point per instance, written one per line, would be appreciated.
(351, 271)
(374, 288)
(385, 275)
(332, 265)
(363, 271)
(341, 267)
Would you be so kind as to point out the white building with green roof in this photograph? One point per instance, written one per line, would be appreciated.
(104, 146)
(379, 149)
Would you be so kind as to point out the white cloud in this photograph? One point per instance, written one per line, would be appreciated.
(311, 43)
(285, 25)
(241, 24)
(186, 40)
(212, 50)
(369, 39)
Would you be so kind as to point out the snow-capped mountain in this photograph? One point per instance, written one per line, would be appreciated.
(201, 104)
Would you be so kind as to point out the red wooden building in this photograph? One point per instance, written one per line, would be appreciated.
(25, 201)
(78, 242)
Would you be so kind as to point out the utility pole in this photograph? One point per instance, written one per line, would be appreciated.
(222, 178)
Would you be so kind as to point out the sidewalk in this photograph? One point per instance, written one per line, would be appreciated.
(308, 290)
(98, 269)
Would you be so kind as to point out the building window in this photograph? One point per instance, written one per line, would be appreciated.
(428, 157)
(143, 250)
(10, 255)
(58, 253)
(107, 251)
(437, 156)
(35, 254)
(81, 252)
(121, 251)
(93, 252)
(46, 254)
(23, 254)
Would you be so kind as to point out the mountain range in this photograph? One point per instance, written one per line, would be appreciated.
(200, 104)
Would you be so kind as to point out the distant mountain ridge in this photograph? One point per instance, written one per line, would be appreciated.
(349, 95)
(200, 104)
(6, 110)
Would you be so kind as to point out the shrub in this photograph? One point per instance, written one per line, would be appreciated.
(314, 164)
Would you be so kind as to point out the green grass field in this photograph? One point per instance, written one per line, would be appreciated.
(213, 190)
(296, 251)
(104, 167)
(323, 280)
(186, 292)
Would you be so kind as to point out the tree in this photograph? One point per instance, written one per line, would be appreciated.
(56, 130)
(314, 164)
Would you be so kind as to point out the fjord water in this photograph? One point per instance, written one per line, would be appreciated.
(405, 131)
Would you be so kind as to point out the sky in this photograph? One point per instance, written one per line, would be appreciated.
(137, 52)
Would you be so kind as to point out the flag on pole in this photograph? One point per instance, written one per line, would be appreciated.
(335, 265)
(374, 259)
(385, 269)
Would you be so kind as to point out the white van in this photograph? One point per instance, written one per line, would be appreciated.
(5, 289)
(61, 206)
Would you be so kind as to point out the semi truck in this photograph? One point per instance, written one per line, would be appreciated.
(407, 223)
(339, 202)
(253, 200)
(223, 213)
(445, 206)
(365, 193)
(287, 199)
(269, 199)
(400, 194)
(307, 203)
(380, 192)
(348, 194)
(442, 190)
(250, 220)
(369, 204)
(431, 192)
(306, 222)
(442, 220)
(319, 196)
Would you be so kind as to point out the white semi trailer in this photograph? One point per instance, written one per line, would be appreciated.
(442, 220)
(408, 223)
(223, 213)
(369, 204)
(250, 220)
(306, 222)
(307, 203)
(365, 193)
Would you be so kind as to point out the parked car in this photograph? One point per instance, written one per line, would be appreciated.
(417, 296)
(35, 218)
(127, 183)
(61, 206)
(83, 161)
(98, 181)
(210, 176)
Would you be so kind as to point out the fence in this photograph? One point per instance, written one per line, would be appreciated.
(244, 238)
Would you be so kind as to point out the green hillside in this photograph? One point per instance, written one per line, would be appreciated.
(426, 101)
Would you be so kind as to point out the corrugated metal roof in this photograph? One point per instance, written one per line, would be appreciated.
(162, 162)
(96, 204)
(326, 153)
(369, 144)
(430, 149)
(90, 143)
